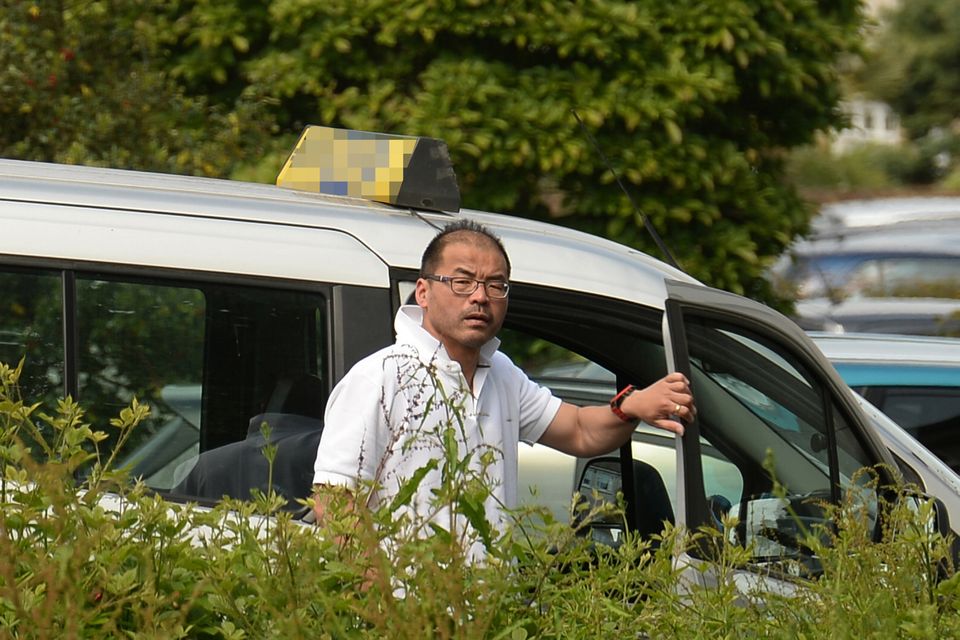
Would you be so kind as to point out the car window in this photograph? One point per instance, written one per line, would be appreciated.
(209, 358)
(143, 340)
(581, 347)
(929, 414)
(722, 480)
(216, 360)
(842, 274)
(548, 477)
(31, 327)
(910, 276)
(767, 413)
(815, 276)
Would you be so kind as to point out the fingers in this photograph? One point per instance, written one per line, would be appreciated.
(678, 400)
(665, 404)
(676, 379)
(669, 425)
(676, 382)
(684, 409)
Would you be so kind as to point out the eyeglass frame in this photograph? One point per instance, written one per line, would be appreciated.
(476, 285)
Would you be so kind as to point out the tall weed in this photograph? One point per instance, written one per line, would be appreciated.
(87, 553)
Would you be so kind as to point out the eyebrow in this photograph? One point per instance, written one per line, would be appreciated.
(472, 274)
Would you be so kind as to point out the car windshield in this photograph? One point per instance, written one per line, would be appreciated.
(818, 276)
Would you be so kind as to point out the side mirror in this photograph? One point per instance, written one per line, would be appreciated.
(937, 515)
(937, 521)
(599, 485)
(941, 518)
(941, 522)
(774, 528)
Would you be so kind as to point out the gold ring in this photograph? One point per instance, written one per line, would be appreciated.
(676, 409)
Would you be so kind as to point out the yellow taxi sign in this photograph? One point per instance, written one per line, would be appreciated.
(406, 171)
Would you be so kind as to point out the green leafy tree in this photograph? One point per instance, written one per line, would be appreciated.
(84, 82)
(913, 64)
(694, 102)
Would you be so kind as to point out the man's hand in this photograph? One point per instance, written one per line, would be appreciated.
(333, 502)
(596, 430)
(667, 403)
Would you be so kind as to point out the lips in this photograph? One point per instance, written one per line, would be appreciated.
(477, 317)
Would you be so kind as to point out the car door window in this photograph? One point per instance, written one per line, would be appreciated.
(210, 359)
(548, 477)
(582, 347)
(143, 340)
(31, 327)
(207, 358)
(921, 276)
(929, 414)
(770, 416)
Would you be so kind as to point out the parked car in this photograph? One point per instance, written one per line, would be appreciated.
(901, 260)
(889, 265)
(848, 215)
(911, 316)
(116, 284)
(913, 380)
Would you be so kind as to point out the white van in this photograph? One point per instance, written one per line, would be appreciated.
(217, 302)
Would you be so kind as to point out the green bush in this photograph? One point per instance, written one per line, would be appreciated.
(85, 553)
(863, 168)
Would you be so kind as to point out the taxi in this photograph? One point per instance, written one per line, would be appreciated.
(220, 302)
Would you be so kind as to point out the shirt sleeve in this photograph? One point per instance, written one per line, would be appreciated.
(353, 434)
(543, 409)
(538, 405)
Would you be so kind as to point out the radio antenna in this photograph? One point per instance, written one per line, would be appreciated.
(646, 221)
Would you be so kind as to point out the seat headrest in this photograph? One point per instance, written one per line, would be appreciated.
(300, 394)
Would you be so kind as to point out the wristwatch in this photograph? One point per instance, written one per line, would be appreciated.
(618, 399)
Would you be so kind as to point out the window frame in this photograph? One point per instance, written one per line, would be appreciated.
(345, 339)
(548, 312)
(716, 306)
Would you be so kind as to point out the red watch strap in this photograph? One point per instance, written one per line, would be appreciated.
(618, 399)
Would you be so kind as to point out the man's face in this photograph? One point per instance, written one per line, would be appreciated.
(464, 323)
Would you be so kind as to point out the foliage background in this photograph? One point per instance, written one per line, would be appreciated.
(909, 62)
(695, 102)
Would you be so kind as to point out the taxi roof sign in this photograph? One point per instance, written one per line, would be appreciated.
(405, 171)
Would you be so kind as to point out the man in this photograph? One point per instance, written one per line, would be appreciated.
(391, 414)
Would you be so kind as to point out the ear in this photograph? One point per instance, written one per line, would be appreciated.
(421, 293)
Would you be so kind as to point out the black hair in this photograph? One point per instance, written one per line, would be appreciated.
(431, 255)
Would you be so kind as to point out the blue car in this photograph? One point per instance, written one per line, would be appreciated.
(914, 380)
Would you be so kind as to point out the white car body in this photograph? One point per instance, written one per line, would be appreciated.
(228, 286)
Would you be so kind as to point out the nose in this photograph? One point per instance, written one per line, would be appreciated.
(480, 295)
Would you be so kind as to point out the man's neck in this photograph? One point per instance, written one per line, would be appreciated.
(468, 360)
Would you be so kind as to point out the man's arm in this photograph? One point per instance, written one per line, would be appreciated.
(596, 430)
(329, 498)
(333, 502)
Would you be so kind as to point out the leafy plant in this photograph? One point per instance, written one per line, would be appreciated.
(96, 555)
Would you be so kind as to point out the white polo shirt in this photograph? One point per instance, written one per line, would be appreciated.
(387, 417)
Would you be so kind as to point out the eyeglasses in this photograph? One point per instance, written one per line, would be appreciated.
(466, 286)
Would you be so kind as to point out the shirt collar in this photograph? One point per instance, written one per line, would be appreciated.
(409, 327)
